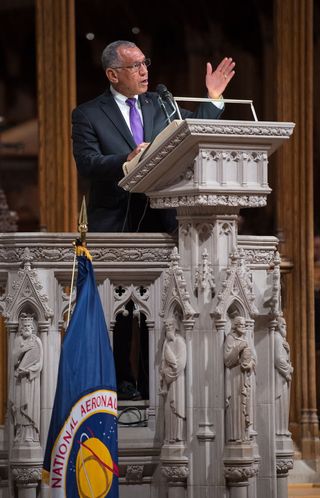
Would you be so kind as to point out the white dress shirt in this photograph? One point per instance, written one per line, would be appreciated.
(124, 108)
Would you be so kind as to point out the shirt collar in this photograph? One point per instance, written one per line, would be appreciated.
(119, 97)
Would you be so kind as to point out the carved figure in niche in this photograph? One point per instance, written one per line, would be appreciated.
(28, 360)
(240, 360)
(172, 384)
(284, 370)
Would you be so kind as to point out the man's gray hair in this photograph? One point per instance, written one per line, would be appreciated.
(109, 57)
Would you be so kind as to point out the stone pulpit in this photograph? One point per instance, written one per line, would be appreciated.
(224, 362)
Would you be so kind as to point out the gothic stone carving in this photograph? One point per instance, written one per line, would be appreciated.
(283, 374)
(175, 289)
(204, 278)
(24, 475)
(240, 473)
(28, 360)
(175, 473)
(233, 200)
(240, 363)
(26, 290)
(134, 473)
(237, 285)
(172, 384)
(121, 254)
(283, 466)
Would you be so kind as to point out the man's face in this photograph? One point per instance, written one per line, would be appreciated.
(127, 80)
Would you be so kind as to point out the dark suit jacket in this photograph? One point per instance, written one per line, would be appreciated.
(101, 144)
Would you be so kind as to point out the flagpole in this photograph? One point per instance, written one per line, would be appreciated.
(82, 228)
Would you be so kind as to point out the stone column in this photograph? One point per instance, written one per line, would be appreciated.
(294, 65)
(3, 370)
(46, 380)
(27, 479)
(176, 474)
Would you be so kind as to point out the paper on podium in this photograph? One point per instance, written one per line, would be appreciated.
(129, 166)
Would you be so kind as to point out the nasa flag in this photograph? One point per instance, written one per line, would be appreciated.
(81, 456)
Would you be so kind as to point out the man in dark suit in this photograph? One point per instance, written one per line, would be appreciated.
(103, 139)
(110, 130)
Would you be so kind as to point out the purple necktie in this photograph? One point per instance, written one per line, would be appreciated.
(135, 121)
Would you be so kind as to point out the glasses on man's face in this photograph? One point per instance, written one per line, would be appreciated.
(136, 66)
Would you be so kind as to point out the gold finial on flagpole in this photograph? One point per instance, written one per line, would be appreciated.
(81, 242)
(83, 222)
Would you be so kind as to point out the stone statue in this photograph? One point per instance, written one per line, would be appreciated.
(172, 384)
(284, 370)
(240, 360)
(28, 360)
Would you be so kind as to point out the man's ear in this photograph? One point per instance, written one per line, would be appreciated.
(112, 75)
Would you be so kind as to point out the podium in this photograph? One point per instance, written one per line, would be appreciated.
(225, 410)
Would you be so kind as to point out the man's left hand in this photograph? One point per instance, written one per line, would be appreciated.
(218, 79)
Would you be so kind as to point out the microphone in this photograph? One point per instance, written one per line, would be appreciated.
(164, 93)
(165, 96)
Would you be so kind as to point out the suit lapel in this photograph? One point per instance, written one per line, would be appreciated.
(148, 114)
(112, 111)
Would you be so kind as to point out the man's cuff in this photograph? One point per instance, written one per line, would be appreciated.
(219, 103)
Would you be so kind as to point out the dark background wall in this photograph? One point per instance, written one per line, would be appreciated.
(179, 36)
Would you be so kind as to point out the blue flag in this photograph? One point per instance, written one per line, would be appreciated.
(81, 457)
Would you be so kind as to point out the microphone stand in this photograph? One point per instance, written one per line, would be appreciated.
(174, 107)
